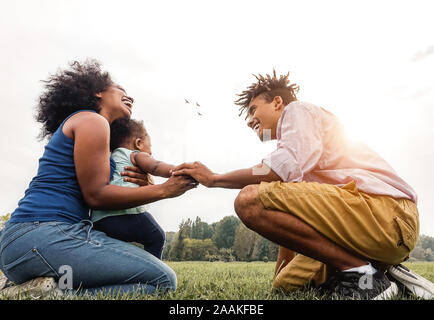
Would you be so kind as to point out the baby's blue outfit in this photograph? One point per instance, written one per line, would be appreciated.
(122, 158)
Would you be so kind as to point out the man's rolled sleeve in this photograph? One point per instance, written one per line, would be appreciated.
(299, 144)
(284, 164)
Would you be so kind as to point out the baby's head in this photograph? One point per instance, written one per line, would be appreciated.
(130, 134)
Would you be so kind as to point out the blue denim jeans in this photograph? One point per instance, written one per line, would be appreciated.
(141, 228)
(98, 262)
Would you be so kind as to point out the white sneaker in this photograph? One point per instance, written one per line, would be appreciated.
(33, 289)
(418, 285)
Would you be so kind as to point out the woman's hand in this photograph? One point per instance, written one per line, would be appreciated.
(198, 171)
(177, 185)
(135, 175)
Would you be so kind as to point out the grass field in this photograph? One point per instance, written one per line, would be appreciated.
(237, 281)
(246, 280)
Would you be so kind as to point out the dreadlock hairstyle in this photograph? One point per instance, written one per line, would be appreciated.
(268, 87)
(68, 91)
(124, 129)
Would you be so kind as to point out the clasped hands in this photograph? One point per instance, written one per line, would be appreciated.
(195, 172)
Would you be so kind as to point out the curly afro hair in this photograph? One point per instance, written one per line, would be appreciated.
(268, 87)
(125, 129)
(68, 91)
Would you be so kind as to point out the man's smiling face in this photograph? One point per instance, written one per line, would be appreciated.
(263, 115)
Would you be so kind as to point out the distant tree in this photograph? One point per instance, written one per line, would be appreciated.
(208, 231)
(201, 230)
(224, 235)
(212, 257)
(226, 254)
(197, 229)
(250, 246)
(185, 228)
(424, 249)
(4, 219)
(244, 243)
(177, 247)
(175, 251)
(170, 238)
(429, 256)
(262, 249)
(197, 249)
(273, 251)
(418, 253)
(426, 242)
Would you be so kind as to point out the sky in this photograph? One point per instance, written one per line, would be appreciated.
(368, 62)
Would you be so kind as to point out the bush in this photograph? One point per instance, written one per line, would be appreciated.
(197, 249)
(226, 255)
(4, 219)
(424, 249)
(211, 257)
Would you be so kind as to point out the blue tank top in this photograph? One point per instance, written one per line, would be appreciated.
(54, 194)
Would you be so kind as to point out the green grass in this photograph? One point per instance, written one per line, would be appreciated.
(237, 280)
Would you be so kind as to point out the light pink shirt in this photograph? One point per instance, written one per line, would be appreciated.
(312, 146)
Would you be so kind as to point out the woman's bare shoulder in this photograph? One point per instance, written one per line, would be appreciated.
(82, 120)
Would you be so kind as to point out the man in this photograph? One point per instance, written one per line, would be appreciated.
(335, 202)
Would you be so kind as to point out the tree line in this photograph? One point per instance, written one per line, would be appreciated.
(230, 240)
(225, 240)
(424, 250)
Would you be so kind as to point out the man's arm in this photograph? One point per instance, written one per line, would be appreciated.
(232, 180)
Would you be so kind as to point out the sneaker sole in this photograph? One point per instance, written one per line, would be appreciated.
(389, 293)
(418, 285)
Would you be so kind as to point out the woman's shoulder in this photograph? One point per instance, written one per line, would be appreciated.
(84, 119)
(88, 115)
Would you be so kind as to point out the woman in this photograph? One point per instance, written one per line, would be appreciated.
(50, 228)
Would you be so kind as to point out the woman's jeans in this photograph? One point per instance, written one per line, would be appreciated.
(95, 261)
(141, 228)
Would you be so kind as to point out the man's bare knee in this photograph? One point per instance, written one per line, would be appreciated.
(247, 198)
(248, 204)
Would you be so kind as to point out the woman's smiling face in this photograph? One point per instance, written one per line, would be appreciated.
(115, 103)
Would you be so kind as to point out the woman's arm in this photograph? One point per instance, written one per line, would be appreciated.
(91, 134)
(147, 163)
(232, 180)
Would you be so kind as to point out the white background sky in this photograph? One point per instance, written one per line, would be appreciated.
(369, 62)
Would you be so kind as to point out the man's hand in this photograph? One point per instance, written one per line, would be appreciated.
(135, 175)
(237, 179)
(196, 170)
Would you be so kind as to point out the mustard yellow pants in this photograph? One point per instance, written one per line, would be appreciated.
(377, 227)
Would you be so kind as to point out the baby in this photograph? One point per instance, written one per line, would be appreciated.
(131, 145)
